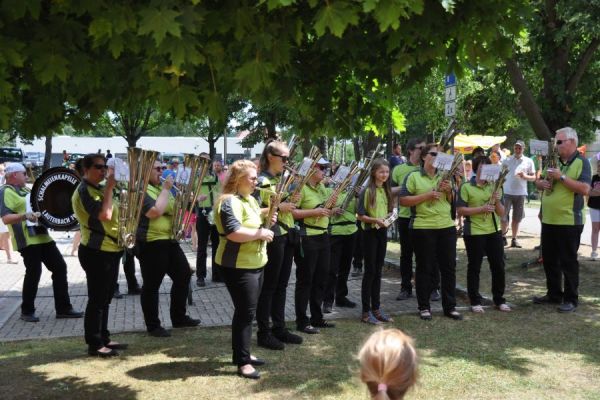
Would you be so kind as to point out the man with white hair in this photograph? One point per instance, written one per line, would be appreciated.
(562, 221)
(35, 245)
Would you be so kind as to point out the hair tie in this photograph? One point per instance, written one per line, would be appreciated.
(382, 387)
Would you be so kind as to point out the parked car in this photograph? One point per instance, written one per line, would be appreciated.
(11, 154)
(35, 159)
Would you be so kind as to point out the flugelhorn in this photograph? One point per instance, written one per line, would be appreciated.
(189, 184)
(305, 170)
(342, 179)
(497, 186)
(362, 179)
(132, 193)
(552, 162)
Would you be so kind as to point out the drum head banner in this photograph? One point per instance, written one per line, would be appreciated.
(51, 196)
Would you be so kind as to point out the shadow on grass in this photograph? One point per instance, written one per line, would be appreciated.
(176, 370)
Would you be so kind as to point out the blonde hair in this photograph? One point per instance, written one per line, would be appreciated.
(388, 364)
(236, 172)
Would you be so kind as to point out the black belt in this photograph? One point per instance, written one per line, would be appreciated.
(320, 228)
(343, 223)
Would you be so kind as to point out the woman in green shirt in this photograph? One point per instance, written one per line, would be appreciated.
(482, 235)
(374, 206)
(433, 233)
(242, 253)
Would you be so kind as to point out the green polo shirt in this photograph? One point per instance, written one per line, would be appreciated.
(268, 182)
(472, 195)
(311, 198)
(379, 211)
(428, 214)
(399, 174)
(210, 187)
(159, 228)
(12, 201)
(562, 206)
(345, 223)
(95, 234)
(231, 214)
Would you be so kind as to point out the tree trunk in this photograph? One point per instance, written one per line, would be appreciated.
(48, 153)
(271, 124)
(357, 146)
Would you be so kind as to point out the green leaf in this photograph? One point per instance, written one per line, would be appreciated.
(254, 74)
(159, 22)
(5, 90)
(369, 5)
(5, 114)
(448, 5)
(100, 28)
(48, 66)
(335, 16)
(179, 99)
(116, 46)
(18, 8)
(398, 120)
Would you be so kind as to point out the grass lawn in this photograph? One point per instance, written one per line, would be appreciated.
(531, 353)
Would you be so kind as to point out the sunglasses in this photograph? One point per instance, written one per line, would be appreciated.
(559, 142)
(283, 158)
(159, 169)
(163, 168)
(433, 153)
(100, 166)
(322, 167)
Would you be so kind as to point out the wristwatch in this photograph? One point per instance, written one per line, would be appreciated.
(562, 178)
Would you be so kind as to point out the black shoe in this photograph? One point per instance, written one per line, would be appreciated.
(504, 241)
(545, 299)
(567, 307)
(252, 375)
(515, 244)
(455, 315)
(117, 346)
(288, 337)
(200, 282)
(345, 302)
(435, 295)
(69, 314)
(270, 342)
(134, 291)
(97, 353)
(404, 295)
(327, 308)
(117, 294)
(159, 332)
(29, 318)
(323, 324)
(311, 330)
(187, 322)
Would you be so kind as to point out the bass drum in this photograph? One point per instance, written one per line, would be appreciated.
(51, 197)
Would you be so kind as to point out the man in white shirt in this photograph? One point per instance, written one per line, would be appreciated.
(521, 171)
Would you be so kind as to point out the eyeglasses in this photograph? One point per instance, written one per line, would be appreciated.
(283, 158)
(433, 153)
(100, 166)
(322, 167)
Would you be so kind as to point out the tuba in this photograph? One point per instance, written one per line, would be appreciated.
(131, 194)
(187, 192)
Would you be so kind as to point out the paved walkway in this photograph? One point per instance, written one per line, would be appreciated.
(212, 303)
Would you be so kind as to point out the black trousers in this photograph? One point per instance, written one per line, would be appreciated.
(340, 262)
(358, 253)
(375, 244)
(435, 247)
(33, 257)
(560, 244)
(477, 246)
(204, 230)
(312, 269)
(157, 259)
(406, 255)
(271, 302)
(129, 269)
(244, 287)
(100, 268)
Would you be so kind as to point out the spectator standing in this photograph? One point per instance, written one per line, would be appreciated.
(521, 171)
(396, 158)
(594, 206)
(108, 154)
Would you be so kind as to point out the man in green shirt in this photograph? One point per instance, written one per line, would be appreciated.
(35, 245)
(562, 221)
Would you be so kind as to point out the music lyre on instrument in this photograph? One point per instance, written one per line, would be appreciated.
(132, 192)
(51, 198)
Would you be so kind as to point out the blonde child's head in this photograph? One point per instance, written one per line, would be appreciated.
(388, 364)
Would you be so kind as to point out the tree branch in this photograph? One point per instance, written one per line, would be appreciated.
(582, 65)
(527, 101)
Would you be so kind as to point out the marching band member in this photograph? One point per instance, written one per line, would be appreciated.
(406, 250)
(35, 245)
(160, 255)
(482, 235)
(242, 254)
(280, 253)
(562, 221)
(99, 252)
(374, 205)
(313, 254)
(433, 233)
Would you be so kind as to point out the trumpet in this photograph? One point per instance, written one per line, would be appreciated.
(131, 195)
(187, 193)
